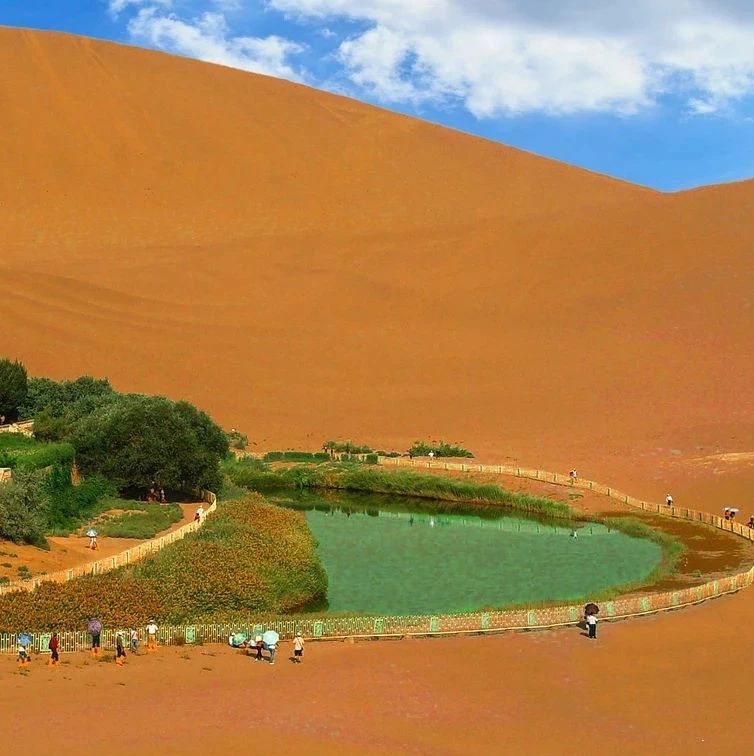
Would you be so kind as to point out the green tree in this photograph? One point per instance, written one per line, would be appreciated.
(134, 440)
(13, 388)
(24, 507)
(63, 397)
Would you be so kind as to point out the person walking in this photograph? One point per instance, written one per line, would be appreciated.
(92, 535)
(94, 628)
(272, 648)
(591, 621)
(298, 647)
(199, 514)
(133, 645)
(573, 475)
(53, 646)
(151, 637)
(669, 500)
(259, 645)
(120, 650)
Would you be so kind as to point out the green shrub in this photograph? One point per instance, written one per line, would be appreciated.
(24, 507)
(438, 448)
(346, 447)
(13, 388)
(237, 440)
(59, 397)
(70, 505)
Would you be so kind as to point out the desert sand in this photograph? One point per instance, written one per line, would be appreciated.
(304, 266)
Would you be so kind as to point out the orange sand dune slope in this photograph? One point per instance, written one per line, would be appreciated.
(304, 265)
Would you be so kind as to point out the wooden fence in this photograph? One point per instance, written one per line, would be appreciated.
(122, 559)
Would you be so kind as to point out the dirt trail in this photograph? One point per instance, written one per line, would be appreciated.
(71, 551)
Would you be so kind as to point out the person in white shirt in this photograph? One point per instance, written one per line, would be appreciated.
(669, 500)
(298, 647)
(151, 636)
(591, 621)
(199, 514)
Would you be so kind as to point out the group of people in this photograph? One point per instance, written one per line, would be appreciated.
(156, 494)
(94, 628)
(258, 645)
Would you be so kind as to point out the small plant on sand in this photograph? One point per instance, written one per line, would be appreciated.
(24, 573)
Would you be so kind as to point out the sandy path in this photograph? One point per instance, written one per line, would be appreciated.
(645, 686)
(71, 551)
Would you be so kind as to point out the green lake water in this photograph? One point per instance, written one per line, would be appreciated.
(383, 558)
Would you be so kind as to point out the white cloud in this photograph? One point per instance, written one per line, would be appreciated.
(209, 38)
(116, 7)
(554, 56)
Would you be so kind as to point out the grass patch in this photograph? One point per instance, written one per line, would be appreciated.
(27, 454)
(138, 520)
(296, 456)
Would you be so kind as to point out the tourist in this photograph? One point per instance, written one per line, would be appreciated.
(726, 513)
(669, 500)
(94, 628)
(134, 641)
(259, 645)
(431, 456)
(53, 646)
(120, 651)
(151, 636)
(24, 657)
(92, 536)
(298, 647)
(573, 475)
(733, 513)
(199, 514)
(163, 500)
(272, 648)
(591, 622)
(751, 522)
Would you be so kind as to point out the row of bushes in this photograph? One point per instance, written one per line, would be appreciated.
(418, 449)
(249, 558)
(255, 475)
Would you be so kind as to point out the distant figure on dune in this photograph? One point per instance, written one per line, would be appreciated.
(751, 522)
(92, 536)
(669, 500)
(573, 475)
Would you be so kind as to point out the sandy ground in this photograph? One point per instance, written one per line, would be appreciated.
(69, 552)
(306, 267)
(646, 686)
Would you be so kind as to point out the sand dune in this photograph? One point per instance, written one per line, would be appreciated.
(305, 266)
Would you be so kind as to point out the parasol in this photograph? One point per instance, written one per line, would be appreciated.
(591, 609)
(24, 640)
(270, 638)
(94, 627)
(91, 533)
(238, 638)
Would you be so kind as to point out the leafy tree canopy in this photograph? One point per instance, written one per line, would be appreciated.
(134, 440)
(13, 388)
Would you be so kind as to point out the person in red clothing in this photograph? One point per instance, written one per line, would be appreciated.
(53, 646)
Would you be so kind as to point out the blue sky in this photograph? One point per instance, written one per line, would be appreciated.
(659, 93)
